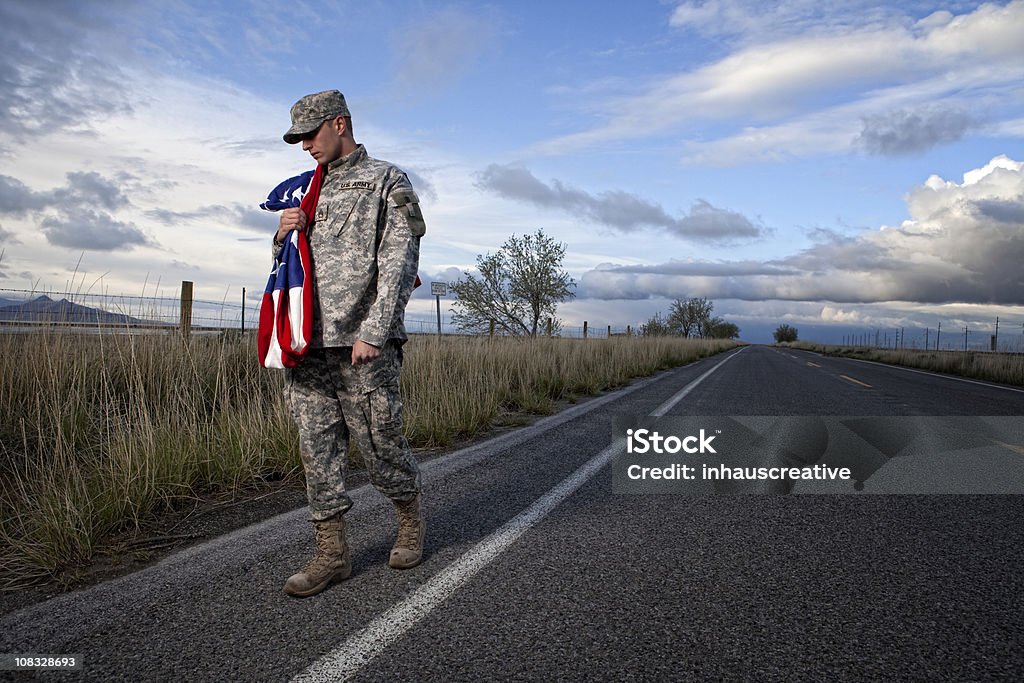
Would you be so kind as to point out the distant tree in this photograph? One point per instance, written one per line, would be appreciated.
(656, 326)
(689, 317)
(785, 333)
(720, 329)
(517, 287)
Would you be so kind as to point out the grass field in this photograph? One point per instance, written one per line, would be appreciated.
(1005, 368)
(100, 432)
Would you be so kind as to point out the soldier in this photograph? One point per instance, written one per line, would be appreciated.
(364, 240)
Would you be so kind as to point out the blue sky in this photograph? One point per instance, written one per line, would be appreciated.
(835, 166)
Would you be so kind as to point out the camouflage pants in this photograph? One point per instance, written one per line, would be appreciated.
(330, 399)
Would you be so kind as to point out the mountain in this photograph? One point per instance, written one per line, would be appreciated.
(45, 309)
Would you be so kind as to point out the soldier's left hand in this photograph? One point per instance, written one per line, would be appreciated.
(363, 352)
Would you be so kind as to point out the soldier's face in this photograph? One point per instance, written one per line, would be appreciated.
(324, 144)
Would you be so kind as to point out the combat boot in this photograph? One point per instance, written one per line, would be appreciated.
(332, 561)
(408, 550)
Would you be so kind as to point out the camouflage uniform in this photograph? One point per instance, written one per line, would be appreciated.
(365, 247)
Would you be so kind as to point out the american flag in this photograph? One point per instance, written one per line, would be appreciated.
(286, 314)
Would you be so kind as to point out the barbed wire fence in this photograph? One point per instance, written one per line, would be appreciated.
(22, 309)
(1002, 334)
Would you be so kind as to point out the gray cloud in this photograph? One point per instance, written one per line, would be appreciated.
(83, 189)
(87, 188)
(617, 209)
(77, 214)
(94, 230)
(18, 198)
(252, 219)
(52, 74)
(906, 132)
(963, 244)
(1002, 210)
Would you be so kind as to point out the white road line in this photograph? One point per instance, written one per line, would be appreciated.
(938, 375)
(347, 659)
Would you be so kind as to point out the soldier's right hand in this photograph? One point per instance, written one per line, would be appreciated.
(291, 219)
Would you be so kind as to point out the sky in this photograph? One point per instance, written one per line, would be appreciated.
(839, 167)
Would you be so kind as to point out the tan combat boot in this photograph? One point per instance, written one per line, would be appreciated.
(408, 550)
(332, 561)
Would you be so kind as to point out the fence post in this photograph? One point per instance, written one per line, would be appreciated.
(491, 332)
(629, 331)
(186, 309)
(609, 331)
(243, 311)
(584, 329)
(549, 326)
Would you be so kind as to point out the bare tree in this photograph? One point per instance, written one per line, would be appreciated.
(517, 287)
(689, 317)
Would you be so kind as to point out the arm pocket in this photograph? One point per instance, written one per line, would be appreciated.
(408, 203)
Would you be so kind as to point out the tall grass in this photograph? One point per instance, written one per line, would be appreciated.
(100, 432)
(1005, 368)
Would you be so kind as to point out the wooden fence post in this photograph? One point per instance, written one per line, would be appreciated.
(491, 333)
(584, 329)
(609, 331)
(549, 326)
(186, 309)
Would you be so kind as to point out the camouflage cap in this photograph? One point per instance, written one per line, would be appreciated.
(312, 110)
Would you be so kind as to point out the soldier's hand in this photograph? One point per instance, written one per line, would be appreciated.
(362, 352)
(291, 219)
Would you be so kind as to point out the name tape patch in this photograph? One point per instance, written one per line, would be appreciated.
(358, 185)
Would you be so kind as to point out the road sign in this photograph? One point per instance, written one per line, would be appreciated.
(439, 289)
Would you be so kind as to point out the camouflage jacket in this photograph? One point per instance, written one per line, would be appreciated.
(365, 243)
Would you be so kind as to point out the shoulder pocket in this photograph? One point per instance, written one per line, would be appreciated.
(406, 201)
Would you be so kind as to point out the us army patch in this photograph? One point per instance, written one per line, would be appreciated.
(358, 185)
(321, 213)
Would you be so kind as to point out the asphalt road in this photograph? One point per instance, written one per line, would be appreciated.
(536, 570)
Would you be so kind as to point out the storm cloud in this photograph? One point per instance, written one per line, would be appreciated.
(617, 209)
(963, 243)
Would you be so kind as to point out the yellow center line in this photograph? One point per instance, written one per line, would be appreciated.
(855, 381)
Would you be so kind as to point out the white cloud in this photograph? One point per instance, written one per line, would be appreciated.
(779, 80)
(963, 242)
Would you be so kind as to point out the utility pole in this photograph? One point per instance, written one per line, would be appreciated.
(937, 333)
(965, 338)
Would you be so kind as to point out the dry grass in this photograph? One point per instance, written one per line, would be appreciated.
(100, 432)
(1005, 368)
